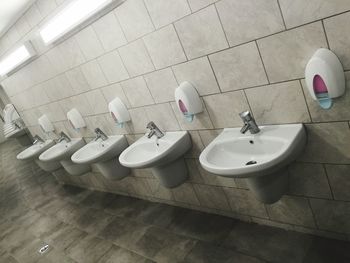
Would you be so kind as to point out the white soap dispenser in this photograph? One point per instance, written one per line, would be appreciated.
(188, 101)
(324, 76)
(75, 119)
(45, 124)
(119, 112)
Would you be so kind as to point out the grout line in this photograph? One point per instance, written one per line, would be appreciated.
(313, 214)
(325, 34)
(306, 103)
(213, 71)
(279, 7)
(262, 61)
(222, 26)
(328, 181)
(181, 44)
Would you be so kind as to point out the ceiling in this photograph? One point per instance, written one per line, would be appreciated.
(10, 11)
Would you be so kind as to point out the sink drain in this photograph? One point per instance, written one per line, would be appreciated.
(251, 163)
(43, 249)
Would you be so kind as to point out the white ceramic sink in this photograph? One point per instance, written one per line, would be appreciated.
(234, 154)
(104, 154)
(33, 152)
(163, 155)
(256, 157)
(62, 152)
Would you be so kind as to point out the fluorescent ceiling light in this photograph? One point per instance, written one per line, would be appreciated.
(16, 58)
(70, 17)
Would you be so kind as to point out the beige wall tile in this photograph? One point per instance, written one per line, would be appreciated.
(243, 202)
(113, 67)
(46, 6)
(109, 32)
(337, 30)
(164, 47)
(97, 101)
(224, 108)
(213, 179)
(339, 176)
(33, 16)
(99, 121)
(197, 145)
(77, 80)
(93, 74)
(136, 58)
(139, 120)
(331, 215)
(198, 4)
(300, 12)
(159, 191)
(164, 12)
(201, 33)
(185, 194)
(208, 136)
(137, 92)
(163, 116)
(328, 143)
(292, 210)
(71, 53)
(115, 90)
(89, 43)
(278, 103)
(162, 85)
(58, 88)
(238, 67)
(134, 19)
(199, 73)
(211, 197)
(309, 179)
(249, 20)
(285, 55)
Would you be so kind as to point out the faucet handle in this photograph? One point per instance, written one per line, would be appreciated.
(150, 125)
(246, 116)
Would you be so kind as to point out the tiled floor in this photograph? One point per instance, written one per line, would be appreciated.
(88, 227)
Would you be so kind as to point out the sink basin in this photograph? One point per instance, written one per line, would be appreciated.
(33, 152)
(260, 158)
(62, 152)
(104, 155)
(165, 156)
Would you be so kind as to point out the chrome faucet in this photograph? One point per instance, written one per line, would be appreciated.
(37, 139)
(64, 137)
(100, 135)
(249, 123)
(154, 130)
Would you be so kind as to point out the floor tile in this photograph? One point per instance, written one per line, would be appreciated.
(202, 226)
(268, 243)
(207, 253)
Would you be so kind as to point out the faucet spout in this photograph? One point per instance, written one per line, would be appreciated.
(37, 139)
(249, 123)
(154, 130)
(64, 137)
(100, 135)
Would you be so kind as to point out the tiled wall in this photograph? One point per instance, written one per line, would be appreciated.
(240, 55)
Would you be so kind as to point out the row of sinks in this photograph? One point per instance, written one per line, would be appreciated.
(259, 158)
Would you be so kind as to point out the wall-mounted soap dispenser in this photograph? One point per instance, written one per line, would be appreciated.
(119, 112)
(324, 76)
(45, 124)
(75, 119)
(188, 101)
